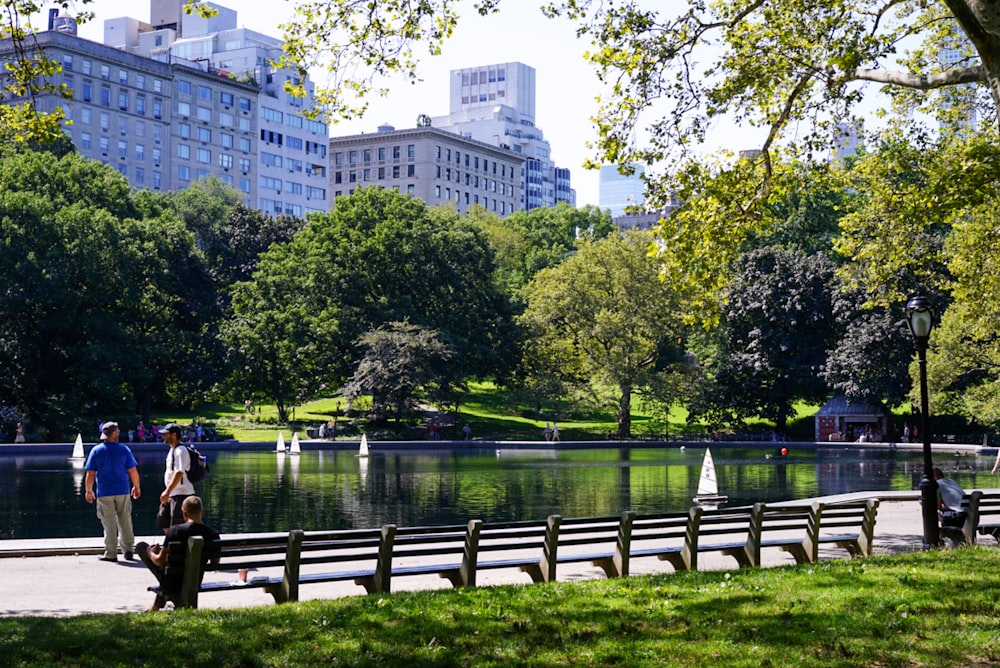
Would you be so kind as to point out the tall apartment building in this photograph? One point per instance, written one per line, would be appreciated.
(434, 165)
(180, 98)
(495, 104)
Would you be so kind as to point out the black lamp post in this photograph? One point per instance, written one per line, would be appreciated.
(920, 317)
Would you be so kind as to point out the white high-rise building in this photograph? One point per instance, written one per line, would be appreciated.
(495, 104)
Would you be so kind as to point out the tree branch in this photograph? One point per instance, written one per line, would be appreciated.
(961, 75)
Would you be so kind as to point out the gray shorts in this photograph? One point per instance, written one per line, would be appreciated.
(170, 513)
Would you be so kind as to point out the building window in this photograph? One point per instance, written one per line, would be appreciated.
(105, 72)
(411, 151)
(204, 93)
(85, 116)
(245, 104)
(184, 109)
(204, 114)
(122, 149)
(140, 81)
(352, 157)
(204, 155)
(184, 130)
(123, 77)
(123, 125)
(395, 172)
(140, 176)
(87, 66)
(226, 140)
(395, 153)
(157, 109)
(245, 165)
(105, 121)
(123, 100)
(183, 173)
(140, 151)
(85, 140)
(157, 155)
(225, 160)
(226, 99)
(140, 105)
(104, 144)
(411, 170)
(105, 96)
(184, 151)
(184, 87)
(245, 144)
(381, 153)
(226, 120)
(204, 135)
(366, 175)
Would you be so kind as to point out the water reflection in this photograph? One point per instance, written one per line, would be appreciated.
(41, 496)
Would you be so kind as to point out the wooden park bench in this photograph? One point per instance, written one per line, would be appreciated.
(371, 558)
(982, 517)
(251, 553)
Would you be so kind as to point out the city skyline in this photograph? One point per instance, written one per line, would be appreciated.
(565, 80)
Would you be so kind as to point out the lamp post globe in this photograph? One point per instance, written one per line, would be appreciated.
(920, 318)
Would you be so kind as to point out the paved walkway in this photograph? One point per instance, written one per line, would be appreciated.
(77, 582)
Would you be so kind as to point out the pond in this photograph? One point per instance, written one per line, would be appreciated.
(256, 491)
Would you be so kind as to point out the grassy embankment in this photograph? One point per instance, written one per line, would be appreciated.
(918, 609)
(486, 409)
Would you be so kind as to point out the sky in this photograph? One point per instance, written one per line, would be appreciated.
(566, 86)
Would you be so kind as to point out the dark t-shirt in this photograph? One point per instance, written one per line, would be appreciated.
(174, 578)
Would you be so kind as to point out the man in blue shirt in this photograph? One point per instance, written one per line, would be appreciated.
(113, 466)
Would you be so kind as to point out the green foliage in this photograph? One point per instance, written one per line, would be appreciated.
(379, 257)
(778, 323)
(100, 301)
(935, 607)
(401, 363)
(601, 321)
(526, 242)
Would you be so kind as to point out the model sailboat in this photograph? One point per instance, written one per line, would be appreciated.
(363, 448)
(708, 485)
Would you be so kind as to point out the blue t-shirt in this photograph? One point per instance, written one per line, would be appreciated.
(111, 461)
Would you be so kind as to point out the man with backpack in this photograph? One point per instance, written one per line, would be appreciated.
(177, 486)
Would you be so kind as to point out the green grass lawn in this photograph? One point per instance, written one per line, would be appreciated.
(487, 409)
(935, 608)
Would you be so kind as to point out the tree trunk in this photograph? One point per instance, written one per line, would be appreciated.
(980, 20)
(625, 412)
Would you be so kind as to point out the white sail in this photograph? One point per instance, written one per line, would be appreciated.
(296, 448)
(281, 443)
(363, 448)
(709, 484)
(78, 447)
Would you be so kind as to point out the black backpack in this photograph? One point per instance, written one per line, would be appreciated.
(199, 464)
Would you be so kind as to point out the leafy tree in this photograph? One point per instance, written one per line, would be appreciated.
(602, 321)
(778, 325)
(401, 363)
(526, 242)
(89, 297)
(378, 257)
(245, 234)
(870, 363)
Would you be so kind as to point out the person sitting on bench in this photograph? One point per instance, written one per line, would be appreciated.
(950, 495)
(155, 557)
